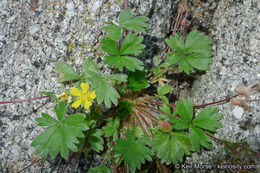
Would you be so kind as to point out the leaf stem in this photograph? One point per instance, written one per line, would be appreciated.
(24, 100)
(107, 153)
(30, 165)
(118, 163)
(217, 102)
(67, 164)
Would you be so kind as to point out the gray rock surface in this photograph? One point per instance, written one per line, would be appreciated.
(34, 35)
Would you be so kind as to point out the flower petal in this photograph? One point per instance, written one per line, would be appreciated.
(76, 104)
(92, 95)
(87, 105)
(84, 87)
(75, 91)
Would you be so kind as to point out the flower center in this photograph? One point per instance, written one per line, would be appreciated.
(84, 97)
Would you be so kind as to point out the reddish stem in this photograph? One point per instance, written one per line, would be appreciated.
(185, 21)
(217, 102)
(30, 165)
(107, 153)
(125, 5)
(118, 163)
(25, 100)
(164, 168)
(67, 164)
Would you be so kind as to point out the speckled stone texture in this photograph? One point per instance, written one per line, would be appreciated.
(36, 34)
(235, 34)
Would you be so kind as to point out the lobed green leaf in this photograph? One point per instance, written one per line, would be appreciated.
(65, 72)
(134, 151)
(132, 45)
(119, 62)
(171, 147)
(208, 119)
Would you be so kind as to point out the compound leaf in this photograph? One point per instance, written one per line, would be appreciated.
(185, 110)
(137, 80)
(162, 90)
(109, 46)
(60, 136)
(60, 110)
(199, 138)
(65, 72)
(208, 119)
(136, 24)
(171, 147)
(114, 32)
(132, 45)
(119, 62)
(195, 52)
(198, 43)
(134, 151)
(101, 83)
(176, 43)
(111, 127)
(95, 140)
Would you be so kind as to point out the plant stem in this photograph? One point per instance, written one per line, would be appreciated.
(125, 5)
(117, 163)
(30, 165)
(25, 100)
(185, 21)
(107, 153)
(67, 164)
(217, 102)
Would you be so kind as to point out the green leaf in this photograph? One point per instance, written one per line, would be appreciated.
(65, 72)
(132, 45)
(156, 61)
(114, 32)
(124, 17)
(61, 136)
(162, 90)
(179, 124)
(117, 77)
(60, 110)
(194, 53)
(199, 138)
(184, 108)
(95, 140)
(166, 108)
(208, 119)
(130, 63)
(137, 80)
(134, 151)
(46, 120)
(106, 93)
(171, 147)
(101, 83)
(136, 24)
(111, 127)
(99, 169)
(89, 64)
(109, 46)
(124, 108)
(191, 44)
(46, 93)
(176, 43)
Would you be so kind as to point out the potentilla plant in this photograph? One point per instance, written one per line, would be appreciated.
(117, 111)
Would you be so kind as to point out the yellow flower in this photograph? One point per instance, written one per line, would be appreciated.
(83, 96)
